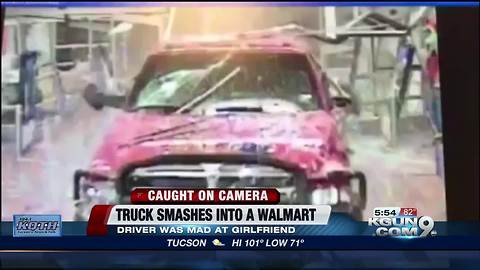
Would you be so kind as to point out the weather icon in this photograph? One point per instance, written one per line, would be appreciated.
(218, 243)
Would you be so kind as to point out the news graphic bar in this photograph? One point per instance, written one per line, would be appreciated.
(148, 217)
(214, 214)
(204, 196)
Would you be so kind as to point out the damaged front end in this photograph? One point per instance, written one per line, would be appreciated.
(344, 191)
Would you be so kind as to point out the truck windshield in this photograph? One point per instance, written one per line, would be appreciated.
(261, 76)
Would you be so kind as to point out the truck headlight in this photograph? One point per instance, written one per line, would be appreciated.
(323, 196)
(102, 192)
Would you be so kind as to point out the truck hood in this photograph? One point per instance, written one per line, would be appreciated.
(307, 140)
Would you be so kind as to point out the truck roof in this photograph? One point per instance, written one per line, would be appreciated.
(273, 43)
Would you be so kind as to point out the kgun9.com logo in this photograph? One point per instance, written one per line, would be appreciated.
(394, 222)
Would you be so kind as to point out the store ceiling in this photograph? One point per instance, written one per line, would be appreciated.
(141, 15)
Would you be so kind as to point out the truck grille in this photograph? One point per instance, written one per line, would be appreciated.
(213, 175)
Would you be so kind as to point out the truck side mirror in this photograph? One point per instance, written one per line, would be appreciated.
(342, 102)
(98, 100)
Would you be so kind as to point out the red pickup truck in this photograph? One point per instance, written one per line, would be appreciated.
(241, 112)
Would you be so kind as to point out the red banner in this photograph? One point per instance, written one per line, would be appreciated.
(204, 196)
(97, 223)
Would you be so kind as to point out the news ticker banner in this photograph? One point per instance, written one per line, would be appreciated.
(203, 219)
(220, 218)
(341, 232)
(339, 224)
(232, 219)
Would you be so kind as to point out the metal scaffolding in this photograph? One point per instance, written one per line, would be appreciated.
(391, 91)
(375, 27)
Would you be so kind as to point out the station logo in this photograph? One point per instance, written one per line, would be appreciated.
(401, 222)
(37, 225)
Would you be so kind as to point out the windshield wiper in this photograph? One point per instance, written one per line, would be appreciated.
(209, 91)
(171, 129)
(166, 108)
(164, 133)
